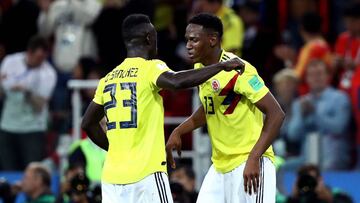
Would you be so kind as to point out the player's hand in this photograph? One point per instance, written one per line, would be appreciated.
(174, 142)
(234, 64)
(251, 175)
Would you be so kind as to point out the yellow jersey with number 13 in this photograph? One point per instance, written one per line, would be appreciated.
(135, 120)
(234, 122)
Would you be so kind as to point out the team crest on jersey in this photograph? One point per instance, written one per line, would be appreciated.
(215, 85)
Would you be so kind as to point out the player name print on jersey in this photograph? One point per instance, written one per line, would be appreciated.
(129, 73)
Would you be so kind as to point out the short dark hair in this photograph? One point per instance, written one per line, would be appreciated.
(37, 42)
(311, 23)
(208, 21)
(352, 10)
(306, 169)
(42, 172)
(130, 26)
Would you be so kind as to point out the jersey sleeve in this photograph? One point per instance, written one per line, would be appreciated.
(250, 84)
(158, 68)
(98, 98)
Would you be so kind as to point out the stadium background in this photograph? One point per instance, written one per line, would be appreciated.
(85, 43)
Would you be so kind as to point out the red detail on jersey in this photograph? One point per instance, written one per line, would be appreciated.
(215, 85)
(231, 99)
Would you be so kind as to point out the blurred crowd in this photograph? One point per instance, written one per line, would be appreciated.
(307, 52)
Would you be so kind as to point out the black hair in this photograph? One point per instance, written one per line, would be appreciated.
(189, 172)
(352, 10)
(37, 42)
(311, 23)
(208, 21)
(133, 27)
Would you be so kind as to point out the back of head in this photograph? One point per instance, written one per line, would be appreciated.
(37, 42)
(311, 23)
(135, 28)
(208, 22)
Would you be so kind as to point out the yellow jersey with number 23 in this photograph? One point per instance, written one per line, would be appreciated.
(135, 120)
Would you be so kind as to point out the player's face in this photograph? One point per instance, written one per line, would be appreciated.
(197, 43)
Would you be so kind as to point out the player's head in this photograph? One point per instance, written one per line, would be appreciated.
(352, 18)
(203, 36)
(37, 50)
(139, 33)
(310, 24)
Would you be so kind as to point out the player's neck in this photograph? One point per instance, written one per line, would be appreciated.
(138, 53)
(213, 57)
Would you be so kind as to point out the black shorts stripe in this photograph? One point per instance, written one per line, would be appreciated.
(259, 195)
(158, 188)
(163, 185)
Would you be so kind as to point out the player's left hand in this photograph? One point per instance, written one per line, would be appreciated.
(174, 142)
(251, 175)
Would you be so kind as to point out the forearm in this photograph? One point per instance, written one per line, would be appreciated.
(188, 78)
(37, 102)
(268, 134)
(96, 133)
(196, 120)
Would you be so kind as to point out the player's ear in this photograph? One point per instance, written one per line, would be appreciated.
(148, 39)
(213, 40)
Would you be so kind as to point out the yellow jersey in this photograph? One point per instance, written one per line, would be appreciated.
(135, 120)
(234, 122)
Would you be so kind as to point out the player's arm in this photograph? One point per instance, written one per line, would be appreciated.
(91, 124)
(196, 120)
(191, 78)
(274, 117)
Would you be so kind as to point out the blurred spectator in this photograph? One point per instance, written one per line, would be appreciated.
(258, 41)
(107, 29)
(86, 154)
(65, 187)
(6, 192)
(18, 25)
(79, 189)
(36, 184)
(28, 81)
(347, 63)
(325, 111)
(232, 39)
(69, 21)
(185, 176)
(285, 90)
(315, 47)
(178, 193)
(310, 187)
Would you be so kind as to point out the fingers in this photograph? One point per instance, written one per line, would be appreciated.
(251, 183)
(170, 157)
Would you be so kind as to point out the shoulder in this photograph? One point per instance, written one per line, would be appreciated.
(339, 94)
(14, 57)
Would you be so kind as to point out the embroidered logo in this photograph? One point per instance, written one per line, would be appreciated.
(215, 85)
